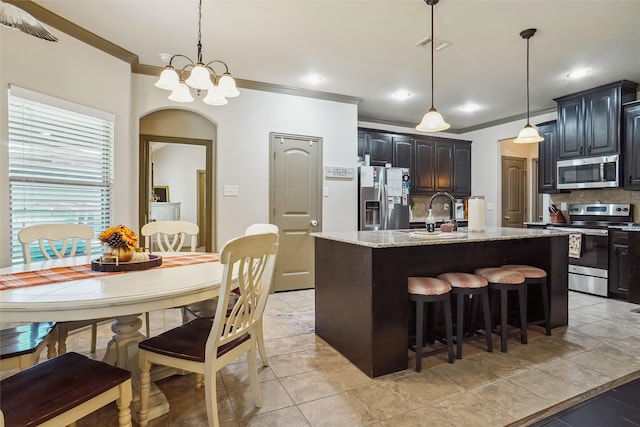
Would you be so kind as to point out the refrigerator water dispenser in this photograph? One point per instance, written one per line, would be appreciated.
(372, 214)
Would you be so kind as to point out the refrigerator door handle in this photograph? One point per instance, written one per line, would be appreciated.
(383, 206)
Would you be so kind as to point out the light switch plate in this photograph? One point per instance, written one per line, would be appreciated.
(325, 191)
(489, 206)
(230, 190)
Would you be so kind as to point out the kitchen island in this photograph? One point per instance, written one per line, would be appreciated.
(362, 306)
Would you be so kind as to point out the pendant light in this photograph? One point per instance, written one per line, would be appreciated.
(528, 134)
(432, 121)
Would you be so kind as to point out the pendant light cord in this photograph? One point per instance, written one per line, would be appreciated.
(432, 43)
(200, 31)
(527, 81)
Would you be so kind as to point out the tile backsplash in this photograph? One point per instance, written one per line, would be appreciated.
(419, 204)
(419, 207)
(609, 195)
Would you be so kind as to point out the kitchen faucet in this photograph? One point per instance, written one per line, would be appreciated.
(452, 202)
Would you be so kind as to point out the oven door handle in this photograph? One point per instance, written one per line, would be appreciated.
(586, 231)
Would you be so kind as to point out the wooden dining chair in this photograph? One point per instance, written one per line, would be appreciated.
(204, 346)
(62, 390)
(21, 346)
(60, 241)
(208, 308)
(169, 236)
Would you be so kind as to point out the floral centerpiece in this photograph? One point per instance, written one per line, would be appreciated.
(121, 242)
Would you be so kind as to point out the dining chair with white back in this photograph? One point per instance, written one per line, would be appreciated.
(204, 346)
(60, 241)
(169, 236)
(208, 308)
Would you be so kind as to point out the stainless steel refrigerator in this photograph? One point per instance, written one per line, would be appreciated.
(383, 198)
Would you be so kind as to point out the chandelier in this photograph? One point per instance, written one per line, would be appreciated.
(201, 77)
(528, 134)
(433, 120)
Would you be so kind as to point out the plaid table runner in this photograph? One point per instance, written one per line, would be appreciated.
(78, 272)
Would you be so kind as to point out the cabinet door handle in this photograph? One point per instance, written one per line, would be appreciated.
(581, 150)
(589, 148)
(630, 179)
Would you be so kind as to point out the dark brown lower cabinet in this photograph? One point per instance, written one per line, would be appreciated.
(618, 264)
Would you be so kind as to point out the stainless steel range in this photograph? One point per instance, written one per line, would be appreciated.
(589, 270)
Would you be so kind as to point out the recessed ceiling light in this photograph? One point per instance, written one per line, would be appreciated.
(579, 73)
(469, 108)
(401, 95)
(314, 79)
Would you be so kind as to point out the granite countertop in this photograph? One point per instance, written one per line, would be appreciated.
(629, 227)
(419, 237)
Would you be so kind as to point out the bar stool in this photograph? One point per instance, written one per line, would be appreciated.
(463, 285)
(424, 290)
(536, 276)
(504, 280)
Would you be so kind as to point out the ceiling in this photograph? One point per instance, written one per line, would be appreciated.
(366, 49)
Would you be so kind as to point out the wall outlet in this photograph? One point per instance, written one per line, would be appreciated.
(231, 190)
(445, 206)
(563, 206)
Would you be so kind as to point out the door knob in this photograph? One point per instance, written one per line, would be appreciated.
(314, 223)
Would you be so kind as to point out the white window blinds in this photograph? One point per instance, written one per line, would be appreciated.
(60, 165)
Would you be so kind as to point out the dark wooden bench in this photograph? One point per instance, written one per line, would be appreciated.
(64, 389)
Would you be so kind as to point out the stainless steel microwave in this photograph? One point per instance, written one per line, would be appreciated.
(590, 172)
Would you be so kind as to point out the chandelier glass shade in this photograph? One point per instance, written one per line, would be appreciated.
(433, 120)
(528, 134)
(201, 77)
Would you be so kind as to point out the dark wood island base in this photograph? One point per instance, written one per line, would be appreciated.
(362, 306)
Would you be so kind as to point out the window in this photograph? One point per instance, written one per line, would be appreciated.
(60, 165)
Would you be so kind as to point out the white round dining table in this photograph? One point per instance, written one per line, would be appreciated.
(122, 296)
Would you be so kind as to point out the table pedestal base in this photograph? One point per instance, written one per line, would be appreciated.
(122, 351)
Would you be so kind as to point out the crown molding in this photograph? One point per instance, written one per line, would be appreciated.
(459, 131)
(75, 31)
(79, 33)
(152, 70)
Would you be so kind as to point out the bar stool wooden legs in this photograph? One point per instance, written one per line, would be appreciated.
(425, 290)
(536, 276)
(504, 280)
(464, 285)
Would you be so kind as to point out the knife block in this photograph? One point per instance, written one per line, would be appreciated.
(557, 218)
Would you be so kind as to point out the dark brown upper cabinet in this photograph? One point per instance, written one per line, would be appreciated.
(403, 148)
(462, 168)
(631, 164)
(425, 160)
(435, 164)
(377, 145)
(547, 157)
(589, 122)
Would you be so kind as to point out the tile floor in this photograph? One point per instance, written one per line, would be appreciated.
(308, 383)
(618, 407)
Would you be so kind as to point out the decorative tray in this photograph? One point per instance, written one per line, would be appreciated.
(111, 266)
